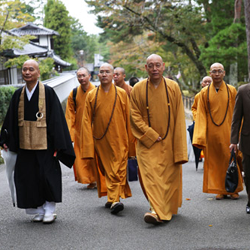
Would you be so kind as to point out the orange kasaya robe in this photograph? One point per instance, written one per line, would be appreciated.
(84, 169)
(112, 150)
(195, 105)
(215, 140)
(127, 88)
(160, 162)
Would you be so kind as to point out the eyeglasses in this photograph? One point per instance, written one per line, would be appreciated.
(217, 71)
(157, 65)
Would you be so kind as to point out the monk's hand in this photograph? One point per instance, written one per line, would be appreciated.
(132, 157)
(159, 139)
(233, 147)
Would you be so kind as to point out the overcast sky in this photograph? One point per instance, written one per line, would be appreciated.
(79, 9)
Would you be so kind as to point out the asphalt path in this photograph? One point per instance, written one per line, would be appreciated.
(83, 222)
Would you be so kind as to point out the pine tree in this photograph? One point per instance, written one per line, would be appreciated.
(57, 18)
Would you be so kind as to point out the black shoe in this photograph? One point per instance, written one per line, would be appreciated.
(108, 204)
(248, 209)
(116, 207)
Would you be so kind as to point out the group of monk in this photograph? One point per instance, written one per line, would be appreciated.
(113, 122)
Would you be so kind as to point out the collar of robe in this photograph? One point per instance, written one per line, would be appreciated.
(209, 109)
(33, 134)
(149, 123)
(106, 130)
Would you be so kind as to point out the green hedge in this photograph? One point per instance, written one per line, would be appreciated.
(5, 97)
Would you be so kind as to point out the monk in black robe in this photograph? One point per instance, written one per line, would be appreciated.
(40, 137)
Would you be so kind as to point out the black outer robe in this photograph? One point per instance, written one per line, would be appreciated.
(37, 172)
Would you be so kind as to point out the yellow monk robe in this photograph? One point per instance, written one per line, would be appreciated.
(160, 162)
(127, 88)
(84, 169)
(215, 139)
(195, 105)
(112, 150)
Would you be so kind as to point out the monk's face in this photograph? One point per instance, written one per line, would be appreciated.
(83, 77)
(206, 81)
(105, 74)
(30, 72)
(217, 73)
(119, 77)
(155, 67)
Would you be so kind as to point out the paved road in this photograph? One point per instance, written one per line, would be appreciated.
(84, 223)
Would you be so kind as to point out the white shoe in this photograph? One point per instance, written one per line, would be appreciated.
(48, 219)
(38, 218)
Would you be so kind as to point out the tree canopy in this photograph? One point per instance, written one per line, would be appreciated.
(57, 18)
(189, 35)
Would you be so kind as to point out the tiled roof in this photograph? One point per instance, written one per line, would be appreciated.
(58, 60)
(32, 29)
(31, 49)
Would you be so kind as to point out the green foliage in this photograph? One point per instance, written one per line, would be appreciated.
(13, 14)
(73, 62)
(5, 97)
(165, 22)
(46, 68)
(221, 16)
(189, 34)
(227, 47)
(17, 61)
(90, 44)
(57, 18)
(10, 42)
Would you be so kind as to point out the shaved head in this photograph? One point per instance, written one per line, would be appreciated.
(207, 80)
(216, 65)
(83, 69)
(33, 62)
(107, 65)
(154, 56)
(122, 70)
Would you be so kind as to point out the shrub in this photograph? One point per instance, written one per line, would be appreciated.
(46, 68)
(5, 97)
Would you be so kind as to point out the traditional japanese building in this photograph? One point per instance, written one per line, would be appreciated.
(40, 47)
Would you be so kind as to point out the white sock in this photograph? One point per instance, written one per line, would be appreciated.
(39, 210)
(49, 207)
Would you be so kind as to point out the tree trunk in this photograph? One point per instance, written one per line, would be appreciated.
(247, 16)
(233, 73)
(237, 10)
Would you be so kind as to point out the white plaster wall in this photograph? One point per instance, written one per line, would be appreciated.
(63, 85)
(44, 41)
(13, 74)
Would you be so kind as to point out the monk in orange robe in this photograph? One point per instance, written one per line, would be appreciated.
(205, 82)
(106, 135)
(158, 123)
(212, 132)
(119, 78)
(197, 152)
(84, 169)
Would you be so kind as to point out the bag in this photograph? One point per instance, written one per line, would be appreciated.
(231, 181)
(132, 170)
